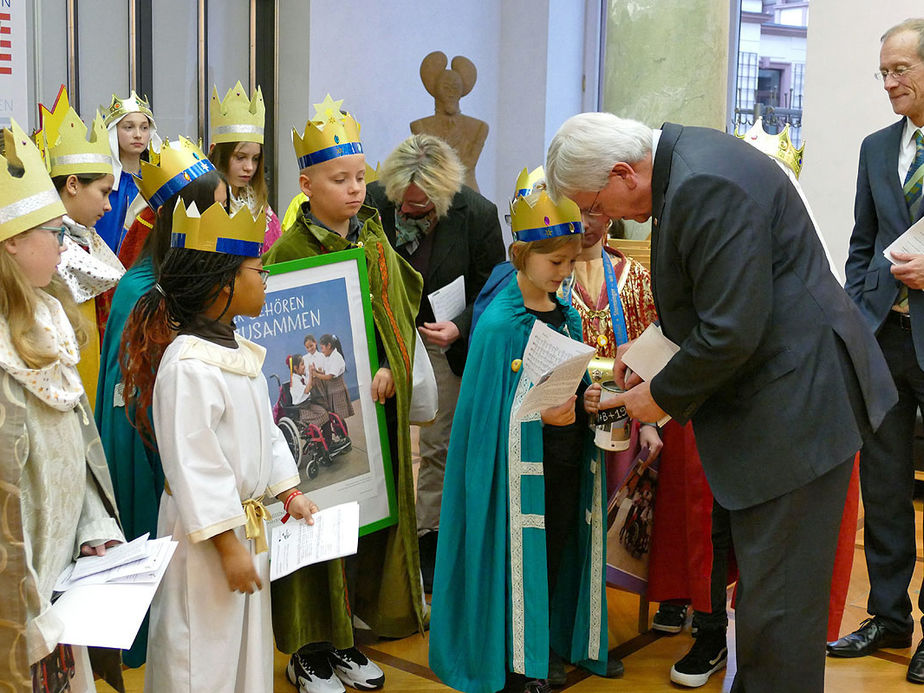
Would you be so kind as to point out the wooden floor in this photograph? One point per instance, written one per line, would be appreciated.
(648, 657)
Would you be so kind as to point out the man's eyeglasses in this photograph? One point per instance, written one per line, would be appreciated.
(899, 73)
(418, 205)
(264, 274)
(592, 211)
(60, 232)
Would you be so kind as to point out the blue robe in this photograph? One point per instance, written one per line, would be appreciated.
(492, 528)
(111, 227)
(137, 476)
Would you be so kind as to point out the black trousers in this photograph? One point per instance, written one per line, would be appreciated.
(785, 553)
(887, 484)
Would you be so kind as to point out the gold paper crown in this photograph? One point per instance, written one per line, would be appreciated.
(67, 150)
(51, 120)
(529, 182)
(237, 118)
(536, 216)
(215, 232)
(30, 199)
(180, 163)
(329, 135)
(778, 146)
(122, 107)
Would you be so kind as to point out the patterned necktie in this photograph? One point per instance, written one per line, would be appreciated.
(913, 196)
(913, 181)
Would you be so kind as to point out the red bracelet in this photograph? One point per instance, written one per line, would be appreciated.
(285, 505)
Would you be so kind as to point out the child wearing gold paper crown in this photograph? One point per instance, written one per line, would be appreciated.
(132, 136)
(137, 475)
(313, 612)
(54, 486)
(236, 150)
(520, 562)
(81, 171)
(221, 453)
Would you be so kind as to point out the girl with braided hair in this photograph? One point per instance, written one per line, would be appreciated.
(221, 453)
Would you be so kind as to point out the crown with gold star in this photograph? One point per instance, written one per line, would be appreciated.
(216, 232)
(536, 216)
(237, 118)
(778, 146)
(119, 108)
(181, 162)
(529, 182)
(67, 150)
(329, 135)
(27, 195)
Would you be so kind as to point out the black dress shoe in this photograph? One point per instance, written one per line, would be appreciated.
(869, 637)
(916, 667)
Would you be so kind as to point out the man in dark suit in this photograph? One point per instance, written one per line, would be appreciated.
(445, 230)
(889, 297)
(776, 369)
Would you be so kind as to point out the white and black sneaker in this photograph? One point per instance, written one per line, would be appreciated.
(311, 672)
(355, 670)
(708, 654)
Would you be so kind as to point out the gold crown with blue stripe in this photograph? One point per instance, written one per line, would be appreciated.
(66, 148)
(180, 163)
(215, 232)
(529, 182)
(534, 216)
(237, 118)
(27, 196)
(779, 146)
(329, 135)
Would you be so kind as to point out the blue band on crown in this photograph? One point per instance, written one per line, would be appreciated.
(569, 228)
(228, 246)
(178, 182)
(329, 153)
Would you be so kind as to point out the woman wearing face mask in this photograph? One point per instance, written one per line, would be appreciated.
(81, 171)
(132, 134)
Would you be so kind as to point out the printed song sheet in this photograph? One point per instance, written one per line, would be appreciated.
(110, 614)
(555, 364)
(912, 241)
(335, 533)
(649, 354)
(449, 301)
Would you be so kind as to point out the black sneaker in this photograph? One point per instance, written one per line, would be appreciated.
(708, 654)
(355, 670)
(537, 686)
(670, 618)
(310, 672)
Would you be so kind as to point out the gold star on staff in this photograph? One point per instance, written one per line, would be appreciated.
(328, 109)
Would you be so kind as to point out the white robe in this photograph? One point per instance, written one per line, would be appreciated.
(219, 446)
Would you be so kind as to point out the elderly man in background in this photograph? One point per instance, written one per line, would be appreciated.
(889, 200)
(445, 230)
(777, 370)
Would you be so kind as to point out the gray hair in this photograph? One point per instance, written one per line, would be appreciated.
(915, 24)
(428, 162)
(586, 146)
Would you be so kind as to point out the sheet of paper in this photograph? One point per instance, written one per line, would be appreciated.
(546, 349)
(649, 353)
(335, 533)
(448, 301)
(114, 557)
(555, 363)
(912, 241)
(142, 570)
(107, 615)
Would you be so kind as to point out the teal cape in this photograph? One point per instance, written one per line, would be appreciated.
(137, 476)
(492, 528)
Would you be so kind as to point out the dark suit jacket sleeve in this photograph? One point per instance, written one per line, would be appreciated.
(723, 240)
(486, 246)
(865, 230)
